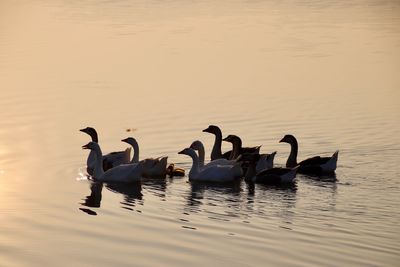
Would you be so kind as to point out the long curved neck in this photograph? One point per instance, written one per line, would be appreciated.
(236, 148)
(201, 155)
(216, 150)
(292, 159)
(135, 146)
(195, 166)
(94, 136)
(98, 168)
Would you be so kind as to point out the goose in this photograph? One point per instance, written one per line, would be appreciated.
(175, 171)
(151, 167)
(267, 176)
(109, 160)
(217, 173)
(199, 147)
(315, 165)
(237, 148)
(125, 173)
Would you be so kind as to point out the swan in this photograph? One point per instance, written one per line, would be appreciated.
(314, 165)
(267, 176)
(109, 160)
(125, 173)
(217, 173)
(151, 167)
(237, 148)
(199, 147)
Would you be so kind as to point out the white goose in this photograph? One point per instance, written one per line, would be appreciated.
(110, 160)
(217, 173)
(199, 147)
(125, 173)
(151, 167)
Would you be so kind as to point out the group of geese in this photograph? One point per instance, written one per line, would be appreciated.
(232, 165)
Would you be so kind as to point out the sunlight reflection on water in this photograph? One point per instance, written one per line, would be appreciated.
(326, 72)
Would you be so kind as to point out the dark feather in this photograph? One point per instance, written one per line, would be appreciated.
(314, 161)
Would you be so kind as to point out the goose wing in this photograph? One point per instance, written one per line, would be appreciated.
(314, 161)
(250, 150)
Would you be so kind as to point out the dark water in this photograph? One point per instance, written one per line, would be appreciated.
(325, 71)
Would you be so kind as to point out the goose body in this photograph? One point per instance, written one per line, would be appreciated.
(215, 173)
(199, 147)
(109, 160)
(125, 173)
(314, 165)
(151, 167)
(275, 176)
(268, 176)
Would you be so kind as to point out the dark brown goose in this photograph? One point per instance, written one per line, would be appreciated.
(267, 176)
(315, 165)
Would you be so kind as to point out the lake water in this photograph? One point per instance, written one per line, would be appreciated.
(325, 71)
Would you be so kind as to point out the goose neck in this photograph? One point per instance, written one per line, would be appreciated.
(216, 150)
(195, 166)
(236, 148)
(135, 147)
(98, 168)
(94, 136)
(201, 155)
(292, 159)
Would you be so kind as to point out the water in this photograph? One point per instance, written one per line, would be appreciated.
(325, 71)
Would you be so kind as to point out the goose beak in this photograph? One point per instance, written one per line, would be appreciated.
(125, 140)
(85, 146)
(181, 152)
(207, 130)
(282, 140)
(83, 130)
(226, 139)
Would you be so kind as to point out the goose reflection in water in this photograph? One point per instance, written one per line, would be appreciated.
(156, 186)
(94, 199)
(217, 194)
(131, 192)
(272, 200)
(322, 191)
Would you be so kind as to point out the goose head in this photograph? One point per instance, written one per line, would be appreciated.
(290, 139)
(196, 145)
(129, 140)
(232, 139)
(212, 129)
(190, 152)
(90, 131)
(185, 151)
(91, 145)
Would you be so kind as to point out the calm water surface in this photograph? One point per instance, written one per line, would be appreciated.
(325, 71)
